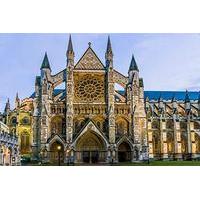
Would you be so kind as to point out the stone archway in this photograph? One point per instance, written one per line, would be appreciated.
(90, 148)
(57, 152)
(124, 152)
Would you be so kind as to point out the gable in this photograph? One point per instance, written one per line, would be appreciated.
(89, 61)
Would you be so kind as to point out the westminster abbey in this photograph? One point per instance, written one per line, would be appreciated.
(91, 121)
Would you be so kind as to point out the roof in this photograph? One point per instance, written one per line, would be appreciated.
(45, 63)
(70, 46)
(133, 65)
(169, 95)
(152, 95)
(55, 92)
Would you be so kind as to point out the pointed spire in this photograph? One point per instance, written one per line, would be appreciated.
(70, 52)
(147, 99)
(174, 98)
(45, 63)
(109, 54)
(7, 107)
(187, 98)
(17, 96)
(133, 65)
(109, 47)
(17, 101)
(70, 46)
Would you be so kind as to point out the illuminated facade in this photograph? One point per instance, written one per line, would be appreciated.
(92, 121)
(19, 122)
(9, 149)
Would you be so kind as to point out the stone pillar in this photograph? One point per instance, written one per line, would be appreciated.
(150, 140)
(163, 139)
(69, 104)
(193, 141)
(189, 135)
(177, 140)
(111, 107)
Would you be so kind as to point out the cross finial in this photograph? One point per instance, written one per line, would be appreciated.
(89, 44)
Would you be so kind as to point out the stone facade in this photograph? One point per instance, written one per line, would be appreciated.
(91, 120)
(9, 149)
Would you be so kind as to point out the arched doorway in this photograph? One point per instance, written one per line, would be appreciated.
(124, 152)
(57, 152)
(90, 148)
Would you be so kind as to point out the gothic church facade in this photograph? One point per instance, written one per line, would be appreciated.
(91, 121)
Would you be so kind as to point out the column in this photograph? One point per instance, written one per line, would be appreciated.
(189, 143)
(193, 142)
(163, 139)
(150, 140)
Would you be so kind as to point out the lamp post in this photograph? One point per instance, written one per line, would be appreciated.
(68, 157)
(59, 148)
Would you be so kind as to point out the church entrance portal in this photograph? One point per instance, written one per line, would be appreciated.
(90, 149)
(57, 153)
(124, 152)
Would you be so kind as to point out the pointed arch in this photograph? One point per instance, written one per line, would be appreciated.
(126, 140)
(90, 126)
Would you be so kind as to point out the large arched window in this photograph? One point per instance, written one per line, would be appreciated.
(13, 121)
(122, 126)
(25, 143)
(155, 125)
(57, 125)
(156, 142)
(25, 121)
(169, 124)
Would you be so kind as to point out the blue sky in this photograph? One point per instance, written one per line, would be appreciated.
(166, 61)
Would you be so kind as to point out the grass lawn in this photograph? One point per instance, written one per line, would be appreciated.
(163, 163)
(151, 163)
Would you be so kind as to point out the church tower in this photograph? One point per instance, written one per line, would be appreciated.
(135, 92)
(69, 91)
(110, 92)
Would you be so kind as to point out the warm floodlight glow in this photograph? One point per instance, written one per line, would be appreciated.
(59, 147)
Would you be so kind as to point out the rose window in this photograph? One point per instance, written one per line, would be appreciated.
(90, 89)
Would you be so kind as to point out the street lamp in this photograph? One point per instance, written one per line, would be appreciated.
(59, 148)
(68, 157)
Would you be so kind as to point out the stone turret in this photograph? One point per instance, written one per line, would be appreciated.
(17, 101)
(133, 72)
(45, 64)
(110, 92)
(70, 53)
(109, 54)
(7, 107)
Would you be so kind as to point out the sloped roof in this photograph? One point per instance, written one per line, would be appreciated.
(168, 95)
(152, 95)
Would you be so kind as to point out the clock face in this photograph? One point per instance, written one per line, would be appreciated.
(89, 89)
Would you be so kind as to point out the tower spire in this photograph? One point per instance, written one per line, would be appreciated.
(109, 47)
(70, 46)
(7, 107)
(133, 65)
(109, 54)
(17, 101)
(70, 52)
(45, 63)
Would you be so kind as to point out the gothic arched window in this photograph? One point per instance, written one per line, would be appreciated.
(13, 121)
